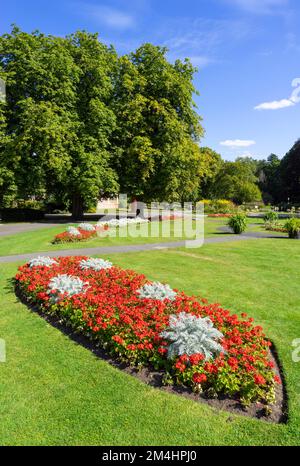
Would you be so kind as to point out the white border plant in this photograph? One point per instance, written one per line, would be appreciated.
(42, 261)
(190, 334)
(95, 264)
(157, 290)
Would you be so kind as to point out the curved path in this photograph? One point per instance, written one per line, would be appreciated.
(225, 236)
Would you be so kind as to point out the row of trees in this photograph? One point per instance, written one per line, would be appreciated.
(80, 122)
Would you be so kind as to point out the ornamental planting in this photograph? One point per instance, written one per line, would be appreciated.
(196, 344)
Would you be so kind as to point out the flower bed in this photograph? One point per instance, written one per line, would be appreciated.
(82, 233)
(196, 344)
(219, 215)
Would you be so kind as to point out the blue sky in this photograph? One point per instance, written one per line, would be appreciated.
(247, 53)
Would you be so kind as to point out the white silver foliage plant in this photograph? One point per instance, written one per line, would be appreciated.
(73, 231)
(95, 264)
(122, 222)
(65, 284)
(157, 290)
(42, 260)
(86, 226)
(190, 334)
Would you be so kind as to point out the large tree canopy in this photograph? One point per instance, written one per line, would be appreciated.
(237, 181)
(155, 142)
(290, 175)
(57, 114)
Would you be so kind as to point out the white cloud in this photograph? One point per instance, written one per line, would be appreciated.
(236, 143)
(111, 17)
(283, 103)
(260, 6)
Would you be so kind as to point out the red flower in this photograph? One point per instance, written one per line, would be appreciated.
(259, 379)
(181, 367)
(196, 358)
(277, 379)
(199, 378)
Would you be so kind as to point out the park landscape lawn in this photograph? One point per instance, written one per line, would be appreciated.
(55, 392)
(40, 240)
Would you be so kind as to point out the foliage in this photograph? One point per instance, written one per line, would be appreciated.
(45, 261)
(271, 216)
(238, 223)
(21, 215)
(64, 284)
(268, 172)
(211, 163)
(192, 335)
(292, 226)
(155, 146)
(57, 114)
(157, 291)
(95, 264)
(290, 174)
(237, 181)
(218, 206)
(111, 313)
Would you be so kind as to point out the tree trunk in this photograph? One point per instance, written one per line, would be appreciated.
(77, 207)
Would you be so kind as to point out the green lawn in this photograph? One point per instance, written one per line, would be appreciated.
(40, 240)
(55, 392)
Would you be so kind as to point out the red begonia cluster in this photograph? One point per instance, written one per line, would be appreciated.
(112, 313)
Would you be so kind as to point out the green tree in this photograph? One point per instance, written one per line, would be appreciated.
(211, 164)
(290, 175)
(268, 172)
(236, 181)
(58, 115)
(155, 143)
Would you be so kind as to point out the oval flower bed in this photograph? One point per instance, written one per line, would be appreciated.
(83, 232)
(147, 324)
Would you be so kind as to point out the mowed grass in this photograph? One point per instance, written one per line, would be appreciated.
(40, 240)
(55, 392)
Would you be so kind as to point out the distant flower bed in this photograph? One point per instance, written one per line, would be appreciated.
(121, 222)
(84, 232)
(220, 215)
(275, 226)
(148, 324)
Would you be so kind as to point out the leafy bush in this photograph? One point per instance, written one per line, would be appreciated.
(95, 264)
(238, 223)
(21, 215)
(65, 284)
(44, 261)
(218, 206)
(192, 335)
(292, 226)
(158, 291)
(271, 216)
(110, 312)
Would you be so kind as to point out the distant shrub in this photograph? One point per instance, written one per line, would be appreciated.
(271, 216)
(21, 215)
(238, 223)
(218, 206)
(292, 226)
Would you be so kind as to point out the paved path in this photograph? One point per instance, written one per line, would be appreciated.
(7, 229)
(136, 247)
